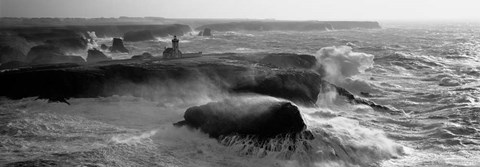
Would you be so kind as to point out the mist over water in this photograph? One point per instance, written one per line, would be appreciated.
(430, 73)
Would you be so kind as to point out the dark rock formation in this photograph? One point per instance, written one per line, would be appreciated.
(259, 117)
(8, 54)
(63, 81)
(103, 47)
(206, 32)
(48, 54)
(145, 55)
(288, 60)
(289, 25)
(299, 86)
(358, 100)
(117, 46)
(95, 55)
(135, 36)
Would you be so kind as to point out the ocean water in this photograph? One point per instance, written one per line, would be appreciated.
(428, 72)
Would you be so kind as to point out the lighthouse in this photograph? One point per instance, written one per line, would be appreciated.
(174, 51)
(175, 44)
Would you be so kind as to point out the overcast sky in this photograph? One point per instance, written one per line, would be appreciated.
(255, 9)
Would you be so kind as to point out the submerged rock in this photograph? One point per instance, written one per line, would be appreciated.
(245, 116)
(358, 100)
(95, 55)
(117, 46)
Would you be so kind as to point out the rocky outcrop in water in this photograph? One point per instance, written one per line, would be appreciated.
(135, 36)
(117, 46)
(358, 100)
(299, 87)
(238, 76)
(205, 32)
(95, 55)
(244, 116)
(289, 25)
(103, 47)
(48, 54)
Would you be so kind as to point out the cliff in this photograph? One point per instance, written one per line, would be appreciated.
(289, 26)
(226, 72)
(61, 82)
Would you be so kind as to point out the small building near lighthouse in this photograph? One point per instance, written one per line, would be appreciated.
(174, 51)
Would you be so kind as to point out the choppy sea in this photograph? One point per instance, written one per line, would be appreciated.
(430, 73)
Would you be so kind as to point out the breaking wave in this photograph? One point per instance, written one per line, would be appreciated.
(341, 64)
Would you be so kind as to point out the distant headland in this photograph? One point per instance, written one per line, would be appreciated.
(291, 25)
(199, 24)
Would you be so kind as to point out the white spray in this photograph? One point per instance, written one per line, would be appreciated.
(341, 64)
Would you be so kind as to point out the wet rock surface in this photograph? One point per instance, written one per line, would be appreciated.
(103, 47)
(95, 55)
(262, 118)
(106, 79)
(117, 46)
(205, 32)
(288, 60)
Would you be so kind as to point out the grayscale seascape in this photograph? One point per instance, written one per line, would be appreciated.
(154, 91)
